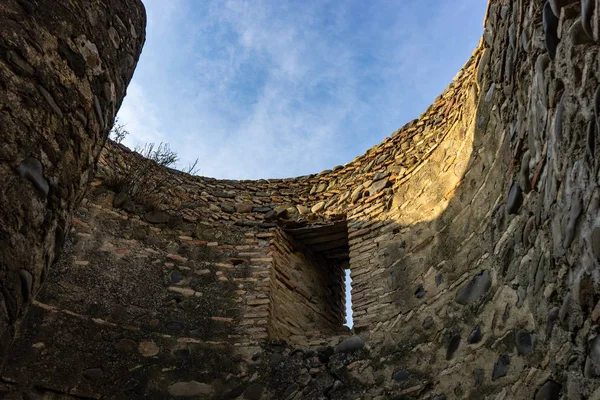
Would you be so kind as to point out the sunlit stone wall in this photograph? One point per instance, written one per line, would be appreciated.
(473, 245)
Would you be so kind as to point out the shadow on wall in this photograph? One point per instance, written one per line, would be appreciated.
(476, 276)
(402, 270)
(108, 300)
(476, 294)
(424, 272)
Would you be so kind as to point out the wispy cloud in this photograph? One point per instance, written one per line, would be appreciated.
(272, 89)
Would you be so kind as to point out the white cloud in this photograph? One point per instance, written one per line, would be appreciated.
(272, 89)
(140, 117)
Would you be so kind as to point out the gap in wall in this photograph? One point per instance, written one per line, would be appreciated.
(348, 286)
(309, 282)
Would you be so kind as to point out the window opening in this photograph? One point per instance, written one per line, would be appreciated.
(348, 286)
(310, 292)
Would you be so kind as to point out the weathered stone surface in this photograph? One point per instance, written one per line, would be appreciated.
(303, 210)
(593, 359)
(550, 390)
(46, 153)
(32, 170)
(515, 199)
(93, 374)
(595, 239)
(452, 347)
(262, 210)
(476, 288)
(254, 391)
(557, 5)
(148, 349)
(553, 315)
(501, 367)
(190, 389)
(550, 22)
(587, 11)
(420, 292)
(126, 345)
(243, 208)
(291, 391)
(378, 186)
(577, 34)
(26, 284)
(318, 207)
(475, 336)
(524, 341)
(224, 195)
(426, 220)
(349, 345)
(174, 326)
(175, 277)
(227, 208)
(428, 322)
(157, 217)
(356, 193)
(401, 375)
(120, 199)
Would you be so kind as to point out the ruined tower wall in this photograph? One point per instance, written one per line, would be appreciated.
(472, 241)
(64, 69)
(501, 287)
(409, 177)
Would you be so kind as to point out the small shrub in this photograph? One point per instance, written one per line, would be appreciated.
(141, 180)
(118, 132)
(192, 168)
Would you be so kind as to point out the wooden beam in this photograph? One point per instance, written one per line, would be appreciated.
(326, 238)
(330, 245)
(317, 230)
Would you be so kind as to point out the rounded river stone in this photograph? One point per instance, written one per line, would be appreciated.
(473, 290)
(524, 341)
(157, 217)
(475, 336)
(33, 170)
(501, 367)
(401, 375)
(550, 390)
(515, 199)
(349, 345)
(550, 23)
(174, 326)
(452, 346)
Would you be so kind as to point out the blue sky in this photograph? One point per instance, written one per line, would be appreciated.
(270, 89)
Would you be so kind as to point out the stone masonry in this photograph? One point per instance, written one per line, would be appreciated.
(64, 69)
(472, 235)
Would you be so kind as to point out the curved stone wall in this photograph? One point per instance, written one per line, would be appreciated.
(473, 244)
(64, 69)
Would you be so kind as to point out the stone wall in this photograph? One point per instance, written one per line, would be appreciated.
(472, 240)
(307, 292)
(64, 69)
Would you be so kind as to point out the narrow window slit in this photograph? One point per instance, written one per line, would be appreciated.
(348, 286)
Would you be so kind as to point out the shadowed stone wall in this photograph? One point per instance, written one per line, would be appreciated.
(64, 69)
(474, 246)
(307, 293)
